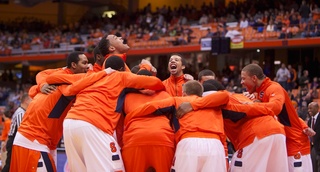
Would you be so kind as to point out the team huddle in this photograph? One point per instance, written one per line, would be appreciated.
(114, 119)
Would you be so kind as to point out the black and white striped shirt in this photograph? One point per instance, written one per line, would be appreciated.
(16, 121)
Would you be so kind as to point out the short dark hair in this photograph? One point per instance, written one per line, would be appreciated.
(135, 69)
(104, 45)
(96, 52)
(254, 69)
(183, 60)
(8, 113)
(144, 72)
(193, 87)
(115, 62)
(73, 57)
(215, 83)
(209, 87)
(205, 72)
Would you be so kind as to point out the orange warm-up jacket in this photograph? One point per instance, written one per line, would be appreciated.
(123, 56)
(242, 131)
(97, 68)
(277, 99)
(41, 80)
(45, 114)
(148, 130)
(174, 85)
(193, 124)
(6, 129)
(102, 102)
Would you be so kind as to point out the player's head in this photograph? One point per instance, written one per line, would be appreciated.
(144, 72)
(192, 87)
(251, 76)
(97, 56)
(206, 74)
(208, 87)
(25, 100)
(176, 65)
(215, 83)
(77, 62)
(112, 44)
(115, 62)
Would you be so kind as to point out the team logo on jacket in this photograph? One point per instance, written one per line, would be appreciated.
(261, 94)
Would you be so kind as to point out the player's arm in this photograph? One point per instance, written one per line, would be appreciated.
(251, 110)
(64, 78)
(210, 101)
(160, 107)
(142, 82)
(42, 85)
(33, 91)
(83, 83)
(306, 130)
(276, 99)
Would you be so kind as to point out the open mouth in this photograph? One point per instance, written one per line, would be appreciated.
(173, 66)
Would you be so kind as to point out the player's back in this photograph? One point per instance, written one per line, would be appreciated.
(203, 123)
(147, 130)
(44, 117)
(101, 103)
(243, 131)
(287, 116)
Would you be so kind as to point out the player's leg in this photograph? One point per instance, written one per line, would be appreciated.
(134, 159)
(192, 154)
(256, 156)
(215, 158)
(101, 151)
(160, 157)
(72, 134)
(23, 159)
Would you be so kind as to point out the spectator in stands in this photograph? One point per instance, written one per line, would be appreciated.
(314, 93)
(259, 25)
(282, 76)
(209, 33)
(304, 80)
(315, 12)
(314, 83)
(243, 22)
(304, 13)
(310, 30)
(293, 78)
(232, 32)
(270, 26)
(204, 19)
(220, 31)
(294, 21)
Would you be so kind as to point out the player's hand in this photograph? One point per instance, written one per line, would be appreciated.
(90, 66)
(147, 92)
(246, 103)
(144, 61)
(3, 146)
(154, 71)
(309, 132)
(47, 89)
(188, 77)
(109, 70)
(184, 108)
(250, 96)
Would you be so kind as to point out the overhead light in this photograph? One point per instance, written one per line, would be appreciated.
(108, 14)
(277, 62)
